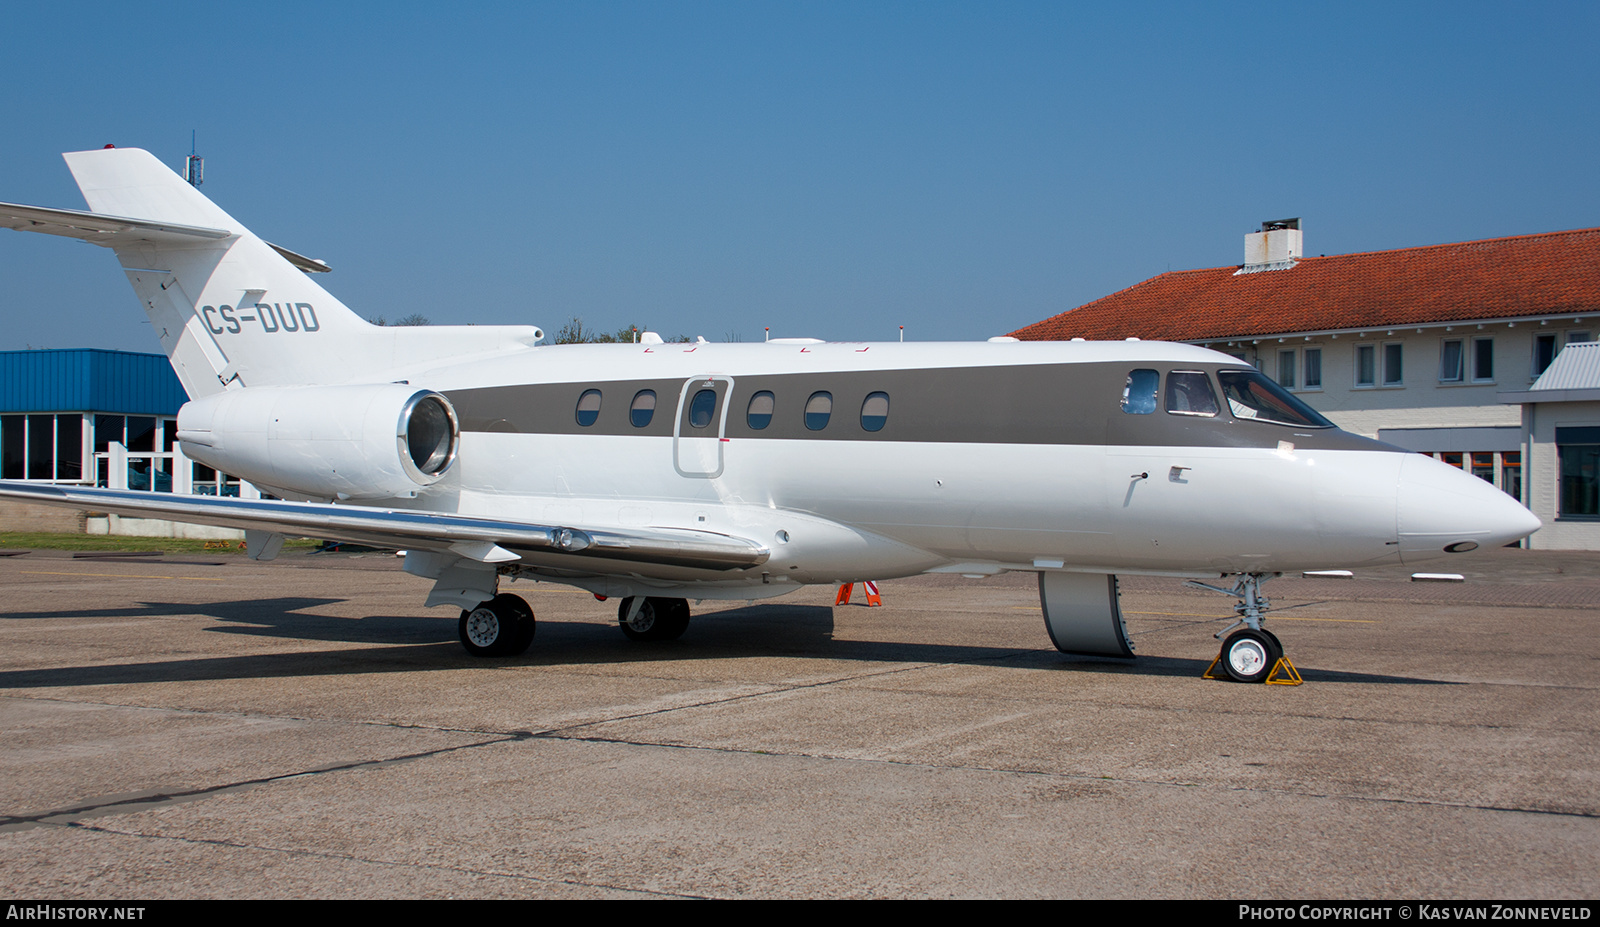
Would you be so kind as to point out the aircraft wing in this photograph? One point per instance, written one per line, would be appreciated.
(100, 229)
(602, 550)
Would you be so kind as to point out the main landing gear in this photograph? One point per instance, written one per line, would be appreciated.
(503, 626)
(653, 619)
(500, 627)
(1250, 653)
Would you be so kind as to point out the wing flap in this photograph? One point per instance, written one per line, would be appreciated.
(540, 544)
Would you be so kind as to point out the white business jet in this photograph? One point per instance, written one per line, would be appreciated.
(658, 472)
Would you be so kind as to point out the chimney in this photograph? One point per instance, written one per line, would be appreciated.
(1276, 247)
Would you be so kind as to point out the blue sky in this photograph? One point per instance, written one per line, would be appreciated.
(826, 169)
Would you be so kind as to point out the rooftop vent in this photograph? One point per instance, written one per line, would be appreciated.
(1276, 247)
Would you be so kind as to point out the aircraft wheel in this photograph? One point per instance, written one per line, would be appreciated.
(500, 627)
(658, 619)
(1248, 656)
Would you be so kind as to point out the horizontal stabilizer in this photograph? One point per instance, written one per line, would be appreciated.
(402, 528)
(111, 231)
(309, 265)
(102, 229)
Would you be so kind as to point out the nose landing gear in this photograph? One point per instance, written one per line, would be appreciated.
(1250, 652)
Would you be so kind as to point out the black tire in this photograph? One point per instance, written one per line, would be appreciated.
(675, 619)
(658, 619)
(525, 624)
(1249, 656)
(500, 627)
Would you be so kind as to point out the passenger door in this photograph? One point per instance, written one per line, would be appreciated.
(699, 433)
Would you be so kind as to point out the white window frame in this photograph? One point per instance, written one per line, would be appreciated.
(1293, 368)
(1472, 360)
(1459, 374)
(1398, 381)
(1305, 384)
(1534, 370)
(1301, 369)
(1376, 367)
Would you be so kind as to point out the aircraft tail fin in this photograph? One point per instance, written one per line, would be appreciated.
(230, 309)
(131, 182)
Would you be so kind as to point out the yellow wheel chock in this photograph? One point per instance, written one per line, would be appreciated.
(1283, 673)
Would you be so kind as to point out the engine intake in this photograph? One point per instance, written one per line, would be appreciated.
(345, 442)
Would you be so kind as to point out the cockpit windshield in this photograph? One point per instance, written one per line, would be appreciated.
(1253, 397)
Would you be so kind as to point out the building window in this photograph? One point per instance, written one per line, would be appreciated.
(13, 447)
(205, 481)
(1311, 374)
(1485, 464)
(1511, 474)
(1450, 361)
(1286, 371)
(1544, 351)
(42, 447)
(1454, 360)
(1366, 365)
(1482, 359)
(1393, 357)
(1578, 450)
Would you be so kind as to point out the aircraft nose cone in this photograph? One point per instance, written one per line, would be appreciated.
(1442, 510)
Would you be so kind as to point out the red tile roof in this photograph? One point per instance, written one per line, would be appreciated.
(1500, 278)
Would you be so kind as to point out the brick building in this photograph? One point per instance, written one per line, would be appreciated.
(1412, 346)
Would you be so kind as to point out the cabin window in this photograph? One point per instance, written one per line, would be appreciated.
(1189, 393)
(1139, 393)
(702, 408)
(759, 413)
(588, 407)
(818, 408)
(1253, 397)
(643, 408)
(875, 411)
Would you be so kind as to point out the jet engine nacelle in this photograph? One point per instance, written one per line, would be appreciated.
(332, 442)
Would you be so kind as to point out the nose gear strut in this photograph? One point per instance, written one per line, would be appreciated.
(1250, 652)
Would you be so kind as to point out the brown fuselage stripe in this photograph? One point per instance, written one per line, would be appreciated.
(1062, 404)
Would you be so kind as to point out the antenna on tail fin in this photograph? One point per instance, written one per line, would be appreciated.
(194, 169)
